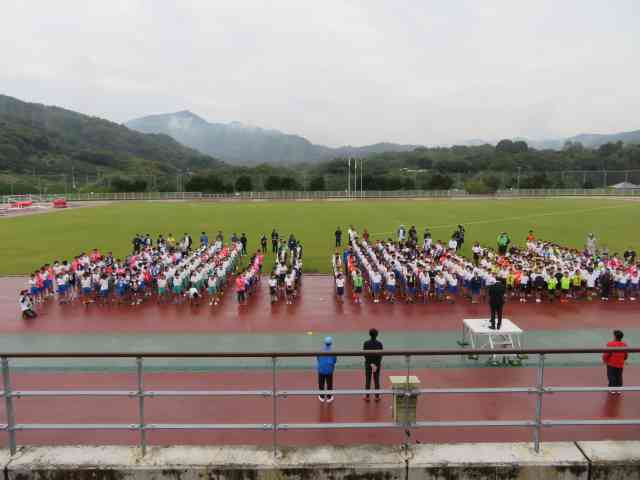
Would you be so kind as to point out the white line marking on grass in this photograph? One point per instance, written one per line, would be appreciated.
(523, 217)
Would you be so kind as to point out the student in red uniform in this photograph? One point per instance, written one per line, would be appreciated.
(615, 361)
(240, 289)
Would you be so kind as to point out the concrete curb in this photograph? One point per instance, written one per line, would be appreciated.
(562, 461)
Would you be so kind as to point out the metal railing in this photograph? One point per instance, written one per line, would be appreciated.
(321, 195)
(537, 421)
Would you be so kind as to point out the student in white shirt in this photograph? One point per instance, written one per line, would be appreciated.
(26, 305)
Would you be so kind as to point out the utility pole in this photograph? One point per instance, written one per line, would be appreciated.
(348, 177)
(355, 176)
(361, 177)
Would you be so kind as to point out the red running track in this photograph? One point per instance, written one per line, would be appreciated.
(315, 309)
(309, 409)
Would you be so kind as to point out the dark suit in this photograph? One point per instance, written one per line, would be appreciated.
(369, 360)
(496, 302)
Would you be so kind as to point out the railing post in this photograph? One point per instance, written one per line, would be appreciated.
(8, 402)
(540, 395)
(143, 433)
(407, 420)
(274, 420)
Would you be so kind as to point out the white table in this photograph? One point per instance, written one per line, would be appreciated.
(477, 334)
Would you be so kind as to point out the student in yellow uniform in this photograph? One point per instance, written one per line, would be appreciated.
(565, 286)
(552, 284)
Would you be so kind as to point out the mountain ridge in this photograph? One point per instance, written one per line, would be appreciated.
(44, 138)
(235, 142)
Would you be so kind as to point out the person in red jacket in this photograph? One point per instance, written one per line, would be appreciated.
(615, 361)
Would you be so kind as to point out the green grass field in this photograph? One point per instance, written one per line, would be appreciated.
(29, 241)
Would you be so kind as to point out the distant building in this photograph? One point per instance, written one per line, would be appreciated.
(625, 185)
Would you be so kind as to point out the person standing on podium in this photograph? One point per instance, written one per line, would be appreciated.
(496, 302)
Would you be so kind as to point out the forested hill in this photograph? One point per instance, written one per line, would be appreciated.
(46, 139)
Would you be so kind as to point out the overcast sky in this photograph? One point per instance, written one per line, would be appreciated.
(336, 72)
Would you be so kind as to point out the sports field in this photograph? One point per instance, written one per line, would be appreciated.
(29, 241)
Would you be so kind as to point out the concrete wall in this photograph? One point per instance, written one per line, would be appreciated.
(562, 461)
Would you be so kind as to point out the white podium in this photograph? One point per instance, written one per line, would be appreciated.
(477, 334)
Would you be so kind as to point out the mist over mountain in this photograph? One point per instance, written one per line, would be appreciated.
(241, 144)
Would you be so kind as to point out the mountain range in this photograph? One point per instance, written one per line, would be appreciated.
(47, 139)
(240, 144)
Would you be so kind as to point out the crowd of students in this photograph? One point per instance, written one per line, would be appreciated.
(170, 272)
(286, 275)
(403, 269)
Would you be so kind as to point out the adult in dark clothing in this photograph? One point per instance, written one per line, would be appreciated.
(460, 237)
(292, 243)
(263, 243)
(629, 256)
(135, 242)
(615, 361)
(274, 241)
(496, 302)
(605, 285)
(413, 233)
(372, 363)
(243, 240)
(338, 234)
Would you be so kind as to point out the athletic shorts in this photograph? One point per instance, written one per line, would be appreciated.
(391, 288)
(340, 290)
(177, 289)
(272, 290)
(86, 290)
(358, 289)
(453, 289)
(34, 290)
(211, 290)
(376, 288)
(104, 293)
(162, 291)
(62, 289)
(48, 284)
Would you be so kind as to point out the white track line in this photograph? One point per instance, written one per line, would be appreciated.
(506, 219)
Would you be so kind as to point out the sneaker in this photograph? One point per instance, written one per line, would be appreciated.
(366, 398)
(321, 398)
(330, 399)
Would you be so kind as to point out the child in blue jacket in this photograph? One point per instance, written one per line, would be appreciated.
(326, 366)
